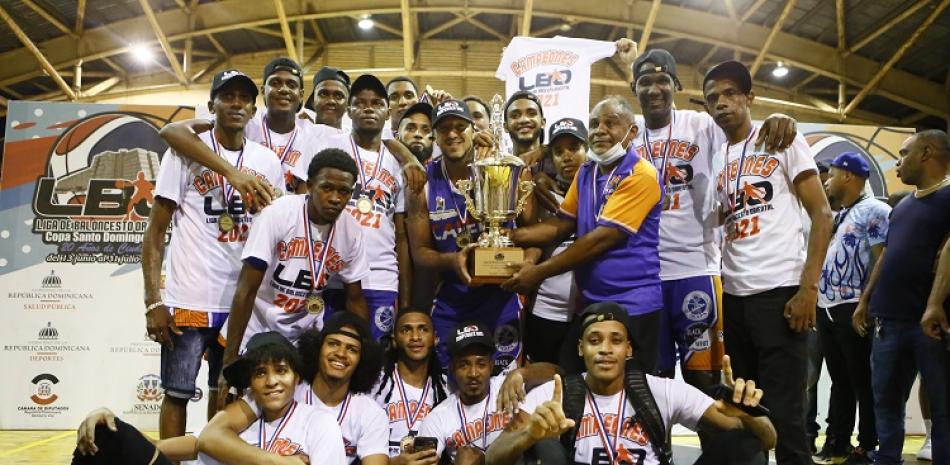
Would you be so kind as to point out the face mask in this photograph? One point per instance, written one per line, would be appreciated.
(612, 154)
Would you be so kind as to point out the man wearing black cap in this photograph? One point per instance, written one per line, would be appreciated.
(377, 203)
(328, 101)
(858, 235)
(470, 418)
(770, 285)
(607, 428)
(211, 224)
(338, 368)
(441, 233)
(415, 131)
(552, 307)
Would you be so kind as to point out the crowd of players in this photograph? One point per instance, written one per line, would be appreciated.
(341, 324)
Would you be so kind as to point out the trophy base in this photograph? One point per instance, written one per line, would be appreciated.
(490, 264)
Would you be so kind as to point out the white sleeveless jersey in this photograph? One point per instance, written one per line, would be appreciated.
(385, 190)
(683, 158)
(279, 242)
(306, 431)
(199, 252)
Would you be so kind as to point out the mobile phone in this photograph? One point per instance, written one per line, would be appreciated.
(421, 443)
(723, 392)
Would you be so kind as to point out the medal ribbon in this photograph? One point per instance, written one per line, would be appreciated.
(593, 189)
(609, 446)
(464, 420)
(226, 188)
(288, 149)
(263, 444)
(364, 182)
(745, 145)
(463, 217)
(316, 273)
(343, 410)
(666, 149)
(411, 417)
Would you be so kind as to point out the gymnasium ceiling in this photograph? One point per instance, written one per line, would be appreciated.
(852, 61)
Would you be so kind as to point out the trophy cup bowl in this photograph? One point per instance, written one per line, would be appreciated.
(495, 196)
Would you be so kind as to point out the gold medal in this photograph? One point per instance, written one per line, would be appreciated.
(405, 445)
(314, 305)
(364, 204)
(462, 240)
(225, 222)
(666, 202)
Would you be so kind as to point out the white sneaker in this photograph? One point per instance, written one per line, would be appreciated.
(925, 452)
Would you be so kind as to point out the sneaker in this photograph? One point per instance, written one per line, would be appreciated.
(859, 456)
(830, 454)
(925, 452)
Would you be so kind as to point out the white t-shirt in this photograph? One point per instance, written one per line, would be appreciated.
(445, 422)
(678, 403)
(763, 243)
(306, 431)
(390, 398)
(304, 141)
(386, 191)
(554, 300)
(688, 238)
(279, 241)
(557, 70)
(363, 422)
(199, 252)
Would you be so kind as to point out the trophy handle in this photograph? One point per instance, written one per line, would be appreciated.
(524, 188)
(465, 186)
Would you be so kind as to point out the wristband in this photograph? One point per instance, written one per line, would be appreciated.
(154, 306)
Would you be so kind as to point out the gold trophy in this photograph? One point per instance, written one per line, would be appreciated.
(494, 196)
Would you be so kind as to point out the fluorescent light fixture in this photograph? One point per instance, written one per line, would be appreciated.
(564, 27)
(141, 52)
(780, 70)
(365, 23)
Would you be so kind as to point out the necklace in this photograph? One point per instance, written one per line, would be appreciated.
(925, 192)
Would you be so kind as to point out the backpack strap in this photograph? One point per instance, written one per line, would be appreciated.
(572, 401)
(647, 412)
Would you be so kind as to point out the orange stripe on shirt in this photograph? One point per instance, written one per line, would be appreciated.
(634, 198)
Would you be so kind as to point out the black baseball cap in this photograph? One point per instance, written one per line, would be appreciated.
(421, 107)
(232, 75)
(283, 64)
(605, 311)
(732, 70)
(523, 95)
(368, 81)
(568, 127)
(469, 334)
(238, 372)
(663, 62)
(329, 73)
(449, 108)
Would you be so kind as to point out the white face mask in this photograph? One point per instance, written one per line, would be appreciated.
(612, 154)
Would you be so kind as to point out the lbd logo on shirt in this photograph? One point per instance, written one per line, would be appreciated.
(542, 80)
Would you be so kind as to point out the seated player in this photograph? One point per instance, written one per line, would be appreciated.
(270, 370)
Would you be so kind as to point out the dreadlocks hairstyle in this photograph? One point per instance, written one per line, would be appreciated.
(434, 370)
(367, 369)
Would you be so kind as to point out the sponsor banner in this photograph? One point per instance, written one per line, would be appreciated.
(77, 184)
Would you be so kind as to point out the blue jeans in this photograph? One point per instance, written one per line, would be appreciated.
(180, 366)
(898, 350)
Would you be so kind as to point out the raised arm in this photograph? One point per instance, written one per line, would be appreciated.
(524, 430)
(724, 415)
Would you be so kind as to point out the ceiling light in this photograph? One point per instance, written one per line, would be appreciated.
(141, 52)
(564, 27)
(365, 23)
(780, 70)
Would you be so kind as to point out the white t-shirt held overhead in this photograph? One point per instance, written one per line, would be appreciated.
(763, 244)
(678, 403)
(306, 431)
(386, 192)
(199, 252)
(404, 421)
(683, 158)
(557, 70)
(302, 141)
(445, 422)
(279, 242)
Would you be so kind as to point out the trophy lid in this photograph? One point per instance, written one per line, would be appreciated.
(499, 159)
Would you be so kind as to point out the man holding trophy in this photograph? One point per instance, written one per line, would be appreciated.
(613, 206)
(459, 218)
